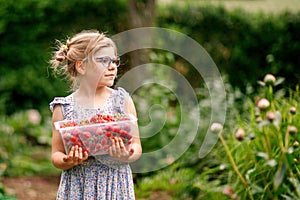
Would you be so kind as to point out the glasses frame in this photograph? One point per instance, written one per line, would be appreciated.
(116, 61)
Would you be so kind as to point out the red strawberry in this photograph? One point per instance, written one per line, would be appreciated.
(74, 138)
(105, 147)
(98, 147)
(68, 124)
(115, 128)
(108, 134)
(99, 131)
(87, 134)
(108, 128)
(85, 150)
(103, 141)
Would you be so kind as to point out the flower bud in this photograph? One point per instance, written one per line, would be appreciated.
(240, 134)
(252, 136)
(293, 110)
(259, 120)
(270, 116)
(216, 127)
(269, 79)
(34, 116)
(263, 103)
(227, 191)
(292, 130)
(296, 144)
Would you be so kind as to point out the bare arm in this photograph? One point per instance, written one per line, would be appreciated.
(59, 158)
(118, 151)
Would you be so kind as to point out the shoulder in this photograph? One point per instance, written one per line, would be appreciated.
(60, 101)
(121, 91)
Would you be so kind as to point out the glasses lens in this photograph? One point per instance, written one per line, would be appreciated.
(116, 61)
(106, 61)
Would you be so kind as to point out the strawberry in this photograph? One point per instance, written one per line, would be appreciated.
(98, 147)
(115, 128)
(99, 131)
(68, 124)
(105, 147)
(103, 141)
(108, 127)
(108, 134)
(87, 134)
(74, 138)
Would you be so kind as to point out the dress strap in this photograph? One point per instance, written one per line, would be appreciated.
(120, 100)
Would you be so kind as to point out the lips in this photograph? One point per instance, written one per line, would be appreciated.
(109, 75)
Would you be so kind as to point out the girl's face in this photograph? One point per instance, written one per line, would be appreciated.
(105, 67)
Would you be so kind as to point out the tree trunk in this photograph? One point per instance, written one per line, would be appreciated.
(141, 14)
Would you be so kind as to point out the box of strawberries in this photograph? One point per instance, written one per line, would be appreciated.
(94, 134)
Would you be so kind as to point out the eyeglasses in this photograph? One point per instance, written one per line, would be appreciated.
(106, 61)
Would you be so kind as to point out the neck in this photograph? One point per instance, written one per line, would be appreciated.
(91, 98)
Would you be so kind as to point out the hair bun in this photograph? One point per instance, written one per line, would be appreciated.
(60, 58)
(61, 54)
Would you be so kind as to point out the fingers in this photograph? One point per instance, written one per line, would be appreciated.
(117, 148)
(76, 156)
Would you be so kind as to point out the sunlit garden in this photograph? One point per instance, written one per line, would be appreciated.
(254, 152)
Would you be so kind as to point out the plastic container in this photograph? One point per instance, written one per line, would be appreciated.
(95, 138)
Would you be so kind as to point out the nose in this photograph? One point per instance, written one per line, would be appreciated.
(111, 66)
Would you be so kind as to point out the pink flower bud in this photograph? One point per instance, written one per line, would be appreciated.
(240, 134)
(216, 127)
(270, 116)
(293, 110)
(296, 144)
(34, 116)
(263, 104)
(292, 130)
(227, 191)
(269, 79)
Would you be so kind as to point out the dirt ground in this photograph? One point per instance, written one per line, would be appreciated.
(34, 188)
(45, 188)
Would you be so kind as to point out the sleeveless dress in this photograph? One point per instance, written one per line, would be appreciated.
(100, 177)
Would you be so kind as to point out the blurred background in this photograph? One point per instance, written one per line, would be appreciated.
(246, 39)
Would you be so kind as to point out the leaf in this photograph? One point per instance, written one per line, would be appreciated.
(279, 81)
(295, 183)
(279, 175)
(277, 120)
(255, 189)
(249, 172)
(261, 83)
(271, 163)
(263, 155)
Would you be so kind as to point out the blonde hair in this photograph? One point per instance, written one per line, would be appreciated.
(80, 47)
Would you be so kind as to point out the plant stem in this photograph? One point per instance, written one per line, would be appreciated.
(266, 140)
(235, 168)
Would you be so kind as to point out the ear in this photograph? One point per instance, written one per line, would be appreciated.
(80, 67)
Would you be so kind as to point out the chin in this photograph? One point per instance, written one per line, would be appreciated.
(106, 85)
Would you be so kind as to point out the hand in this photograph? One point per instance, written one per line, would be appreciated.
(118, 150)
(75, 156)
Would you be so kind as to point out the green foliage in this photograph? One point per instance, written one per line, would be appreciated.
(266, 136)
(25, 144)
(28, 30)
(244, 45)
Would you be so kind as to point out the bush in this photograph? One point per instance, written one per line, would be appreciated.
(262, 146)
(243, 45)
(28, 30)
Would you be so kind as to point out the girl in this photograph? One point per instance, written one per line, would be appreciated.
(90, 61)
